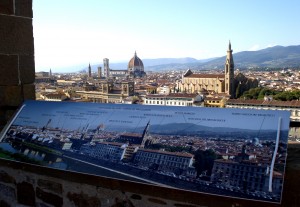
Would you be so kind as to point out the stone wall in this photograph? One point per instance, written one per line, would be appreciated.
(28, 185)
(16, 56)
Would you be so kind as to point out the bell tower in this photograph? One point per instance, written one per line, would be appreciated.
(229, 73)
(106, 68)
(90, 71)
(127, 88)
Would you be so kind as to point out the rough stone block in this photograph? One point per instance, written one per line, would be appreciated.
(158, 201)
(2, 97)
(29, 91)
(16, 35)
(25, 194)
(6, 7)
(24, 8)
(6, 178)
(136, 197)
(26, 67)
(8, 69)
(122, 202)
(9, 114)
(50, 198)
(183, 205)
(42, 205)
(3, 120)
(2, 123)
(83, 200)
(4, 204)
(50, 185)
(7, 191)
(13, 95)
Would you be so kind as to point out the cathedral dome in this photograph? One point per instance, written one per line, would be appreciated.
(136, 67)
(135, 63)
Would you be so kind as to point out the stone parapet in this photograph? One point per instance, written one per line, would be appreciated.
(26, 184)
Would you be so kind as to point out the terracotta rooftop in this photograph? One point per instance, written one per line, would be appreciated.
(225, 161)
(111, 143)
(220, 76)
(213, 98)
(176, 95)
(135, 62)
(181, 154)
(293, 103)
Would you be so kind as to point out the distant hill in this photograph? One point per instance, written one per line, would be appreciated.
(189, 129)
(272, 57)
(152, 64)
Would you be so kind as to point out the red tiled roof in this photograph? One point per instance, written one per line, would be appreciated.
(181, 154)
(177, 95)
(213, 98)
(111, 143)
(184, 95)
(225, 161)
(220, 76)
(293, 103)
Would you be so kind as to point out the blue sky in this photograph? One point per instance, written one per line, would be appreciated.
(75, 32)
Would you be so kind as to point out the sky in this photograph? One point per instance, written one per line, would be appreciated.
(75, 32)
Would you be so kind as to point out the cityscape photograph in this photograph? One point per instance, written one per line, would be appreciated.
(207, 150)
(198, 96)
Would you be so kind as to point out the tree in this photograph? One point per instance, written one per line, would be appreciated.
(266, 92)
(238, 91)
(253, 93)
(288, 95)
(204, 161)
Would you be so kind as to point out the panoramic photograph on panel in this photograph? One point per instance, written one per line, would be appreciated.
(228, 152)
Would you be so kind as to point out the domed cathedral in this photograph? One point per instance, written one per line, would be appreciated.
(136, 67)
(224, 84)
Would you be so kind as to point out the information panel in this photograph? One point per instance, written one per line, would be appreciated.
(229, 152)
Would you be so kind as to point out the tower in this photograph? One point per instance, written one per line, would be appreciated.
(99, 72)
(90, 71)
(106, 67)
(229, 73)
(127, 88)
(50, 73)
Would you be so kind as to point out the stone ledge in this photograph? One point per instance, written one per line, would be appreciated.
(152, 194)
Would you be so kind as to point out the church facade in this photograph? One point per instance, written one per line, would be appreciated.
(217, 83)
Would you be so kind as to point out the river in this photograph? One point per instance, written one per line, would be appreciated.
(67, 163)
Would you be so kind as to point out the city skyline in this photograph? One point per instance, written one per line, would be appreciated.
(72, 33)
